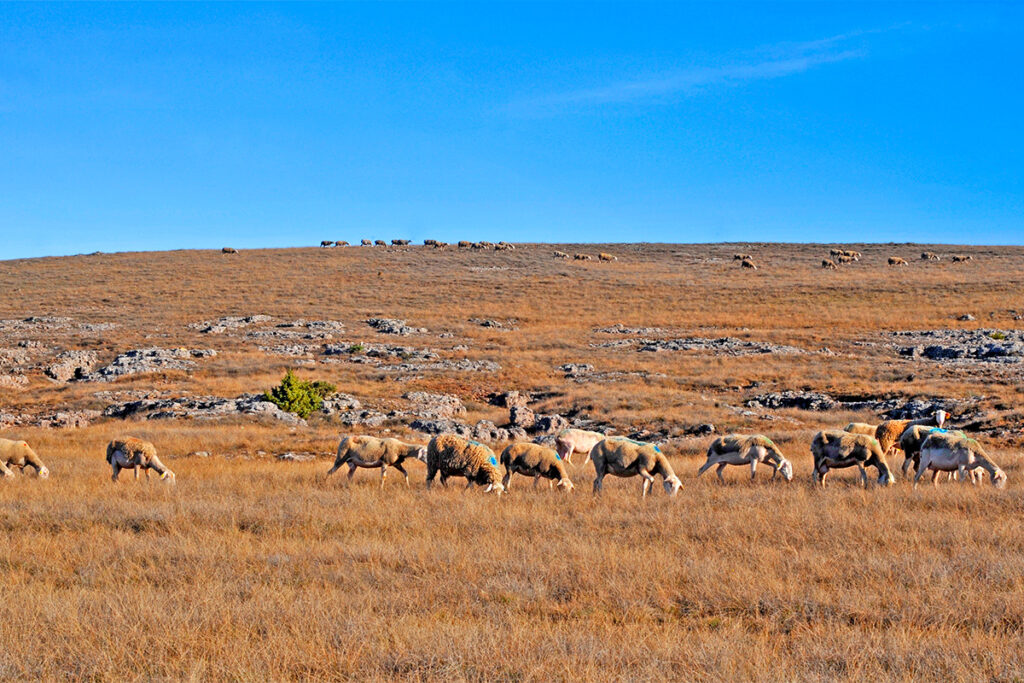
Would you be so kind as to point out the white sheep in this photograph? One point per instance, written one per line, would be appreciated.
(945, 451)
(571, 441)
(734, 449)
(453, 456)
(910, 443)
(130, 453)
(19, 454)
(627, 458)
(369, 452)
(835, 449)
(861, 428)
(561, 254)
(534, 460)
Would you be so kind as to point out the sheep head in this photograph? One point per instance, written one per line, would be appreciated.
(43, 472)
(495, 488)
(786, 469)
(672, 485)
(940, 417)
(565, 485)
(168, 476)
(421, 453)
(886, 477)
(998, 478)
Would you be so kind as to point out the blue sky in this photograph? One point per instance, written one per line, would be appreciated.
(134, 127)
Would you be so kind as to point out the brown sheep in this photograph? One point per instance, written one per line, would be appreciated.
(607, 257)
(834, 449)
(828, 264)
(861, 428)
(465, 244)
(229, 250)
(962, 259)
(929, 256)
(843, 259)
(380, 243)
(746, 263)
(19, 454)
(742, 257)
(561, 254)
(889, 432)
(581, 257)
(370, 452)
(534, 460)
(341, 243)
(453, 456)
(135, 454)
(367, 243)
(627, 458)
(326, 243)
(897, 261)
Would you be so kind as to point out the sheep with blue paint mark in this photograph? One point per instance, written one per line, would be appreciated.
(454, 456)
(624, 457)
(534, 460)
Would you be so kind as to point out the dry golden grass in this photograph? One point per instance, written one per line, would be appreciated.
(255, 569)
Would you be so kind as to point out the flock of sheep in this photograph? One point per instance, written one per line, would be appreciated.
(843, 256)
(926, 446)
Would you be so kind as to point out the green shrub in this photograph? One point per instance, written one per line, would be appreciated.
(356, 348)
(997, 335)
(298, 396)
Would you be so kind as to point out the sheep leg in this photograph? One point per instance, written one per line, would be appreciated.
(753, 469)
(535, 480)
(507, 479)
(5, 471)
(334, 469)
(115, 467)
(863, 475)
(648, 483)
(351, 470)
(598, 482)
(705, 467)
(383, 474)
(136, 468)
(935, 478)
(398, 466)
(718, 472)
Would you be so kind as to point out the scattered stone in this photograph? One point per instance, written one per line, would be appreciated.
(441, 427)
(495, 324)
(71, 365)
(461, 365)
(379, 351)
(576, 369)
(549, 424)
(201, 408)
(13, 381)
(522, 417)
(13, 357)
(148, 360)
(619, 328)
(988, 346)
(435, 406)
(49, 324)
(296, 457)
(68, 419)
(394, 326)
(701, 430)
(509, 399)
(221, 325)
(727, 345)
(804, 400)
(338, 403)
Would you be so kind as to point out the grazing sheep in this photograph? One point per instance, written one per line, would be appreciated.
(229, 250)
(465, 244)
(834, 449)
(889, 432)
(326, 243)
(503, 247)
(370, 452)
(946, 451)
(19, 454)
(480, 245)
(380, 243)
(440, 245)
(748, 264)
(367, 243)
(843, 259)
(581, 257)
(607, 257)
(897, 261)
(135, 454)
(829, 264)
(742, 257)
(572, 441)
(401, 243)
(429, 243)
(454, 456)
(929, 256)
(341, 243)
(734, 449)
(534, 460)
(855, 255)
(911, 440)
(627, 458)
(861, 428)
(962, 259)
(561, 254)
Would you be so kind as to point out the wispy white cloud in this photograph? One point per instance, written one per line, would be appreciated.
(775, 61)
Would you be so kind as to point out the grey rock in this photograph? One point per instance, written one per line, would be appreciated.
(394, 326)
(522, 417)
(549, 424)
(71, 365)
(435, 406)
(148, 360)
